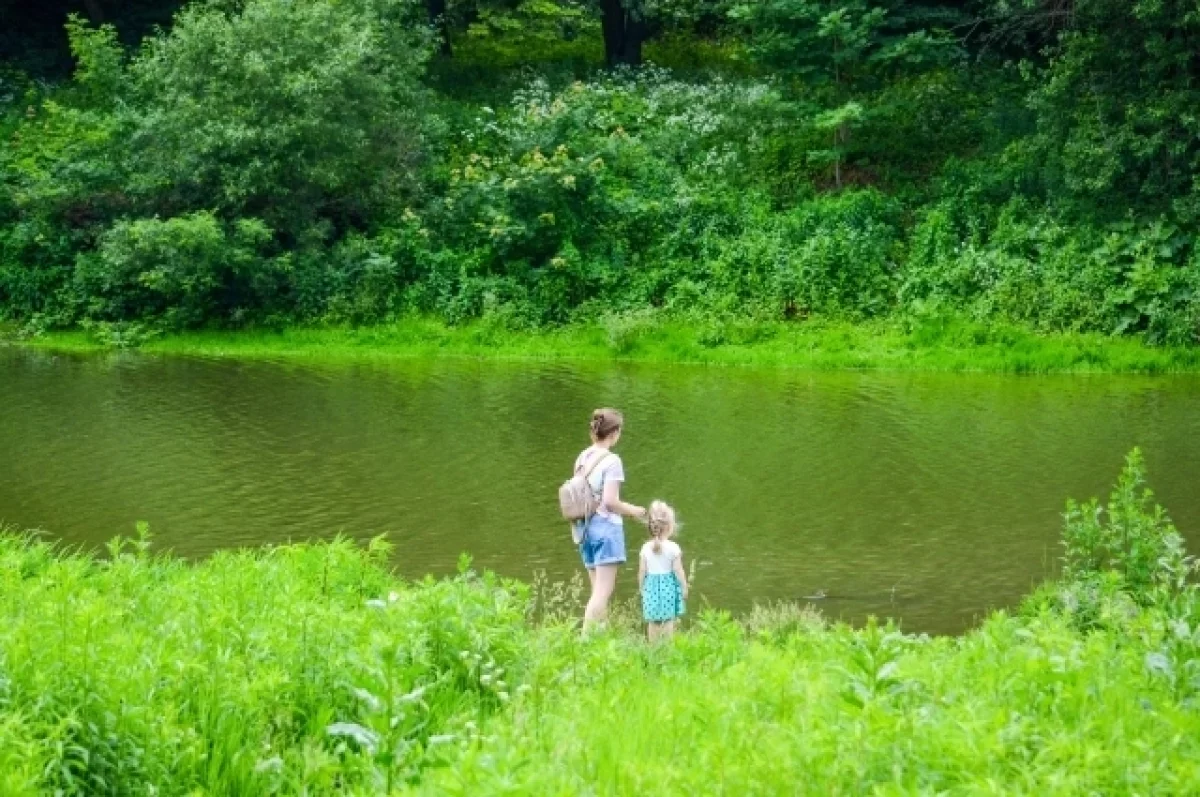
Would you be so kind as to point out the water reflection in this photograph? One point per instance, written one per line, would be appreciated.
(927, 497)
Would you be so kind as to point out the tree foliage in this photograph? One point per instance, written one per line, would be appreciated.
(276, 161)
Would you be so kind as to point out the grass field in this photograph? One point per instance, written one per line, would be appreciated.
(819, 345)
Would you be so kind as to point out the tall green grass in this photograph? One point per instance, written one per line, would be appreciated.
(933, 345)
(303, 668)
(311, 670)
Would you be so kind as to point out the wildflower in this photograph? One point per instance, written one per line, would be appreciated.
(503, 696)
(524, 689)
(393, 597)
(568, 181)
(375, 603)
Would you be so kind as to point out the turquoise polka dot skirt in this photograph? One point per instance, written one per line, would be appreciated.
(662, 598)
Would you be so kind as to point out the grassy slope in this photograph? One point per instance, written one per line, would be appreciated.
(225, 677)
(953, 346)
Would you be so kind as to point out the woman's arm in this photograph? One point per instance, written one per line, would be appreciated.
(682, 576)
(613, 503)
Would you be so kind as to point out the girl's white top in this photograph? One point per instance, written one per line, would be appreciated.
(663, 562)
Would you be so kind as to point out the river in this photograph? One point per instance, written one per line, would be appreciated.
(930, 498)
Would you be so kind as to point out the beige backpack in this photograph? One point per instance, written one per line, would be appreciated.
(575, 497)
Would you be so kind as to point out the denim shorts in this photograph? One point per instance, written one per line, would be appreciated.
(603, 543)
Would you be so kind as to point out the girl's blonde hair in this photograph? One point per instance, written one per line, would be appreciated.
(660, 518)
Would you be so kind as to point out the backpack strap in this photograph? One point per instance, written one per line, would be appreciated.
(596, 462)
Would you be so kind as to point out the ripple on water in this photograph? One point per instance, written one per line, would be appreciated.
(923, 496)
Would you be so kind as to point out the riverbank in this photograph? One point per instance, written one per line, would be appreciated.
(310, 669)
(949, 346)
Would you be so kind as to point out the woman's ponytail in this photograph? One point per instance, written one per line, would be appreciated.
(605, 423)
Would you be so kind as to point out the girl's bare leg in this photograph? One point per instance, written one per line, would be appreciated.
(653, 631)
(668, 630)
(604, 580)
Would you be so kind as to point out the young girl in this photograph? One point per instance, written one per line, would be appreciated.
(661, 578)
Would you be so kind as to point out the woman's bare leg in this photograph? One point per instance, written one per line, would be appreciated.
(604, 580)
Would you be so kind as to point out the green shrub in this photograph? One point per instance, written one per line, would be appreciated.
(281, 671)
(1127, 547)
(280, 110)
(176, 272)
(1027, 265)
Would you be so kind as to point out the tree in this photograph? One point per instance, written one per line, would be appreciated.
(843, 51)
(440, 20)
(624, 26)
(287, 111)
(1116, 104)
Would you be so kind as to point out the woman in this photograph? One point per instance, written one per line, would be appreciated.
(602, 537)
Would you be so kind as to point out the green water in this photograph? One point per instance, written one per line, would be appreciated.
(930, 498)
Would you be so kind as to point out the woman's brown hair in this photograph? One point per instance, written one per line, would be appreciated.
(606, 422)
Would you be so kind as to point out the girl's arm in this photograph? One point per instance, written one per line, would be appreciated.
(641, 571)
(679, 574)
(614, 504)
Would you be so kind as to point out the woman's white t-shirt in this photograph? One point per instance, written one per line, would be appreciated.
(609, 470)
(663, 561)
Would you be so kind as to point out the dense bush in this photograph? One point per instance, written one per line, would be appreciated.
(275, 162)
(1029, 266)
(265, 125)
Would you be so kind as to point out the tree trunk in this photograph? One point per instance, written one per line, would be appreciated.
(437, 18)
(94, 10)
(623, 33)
